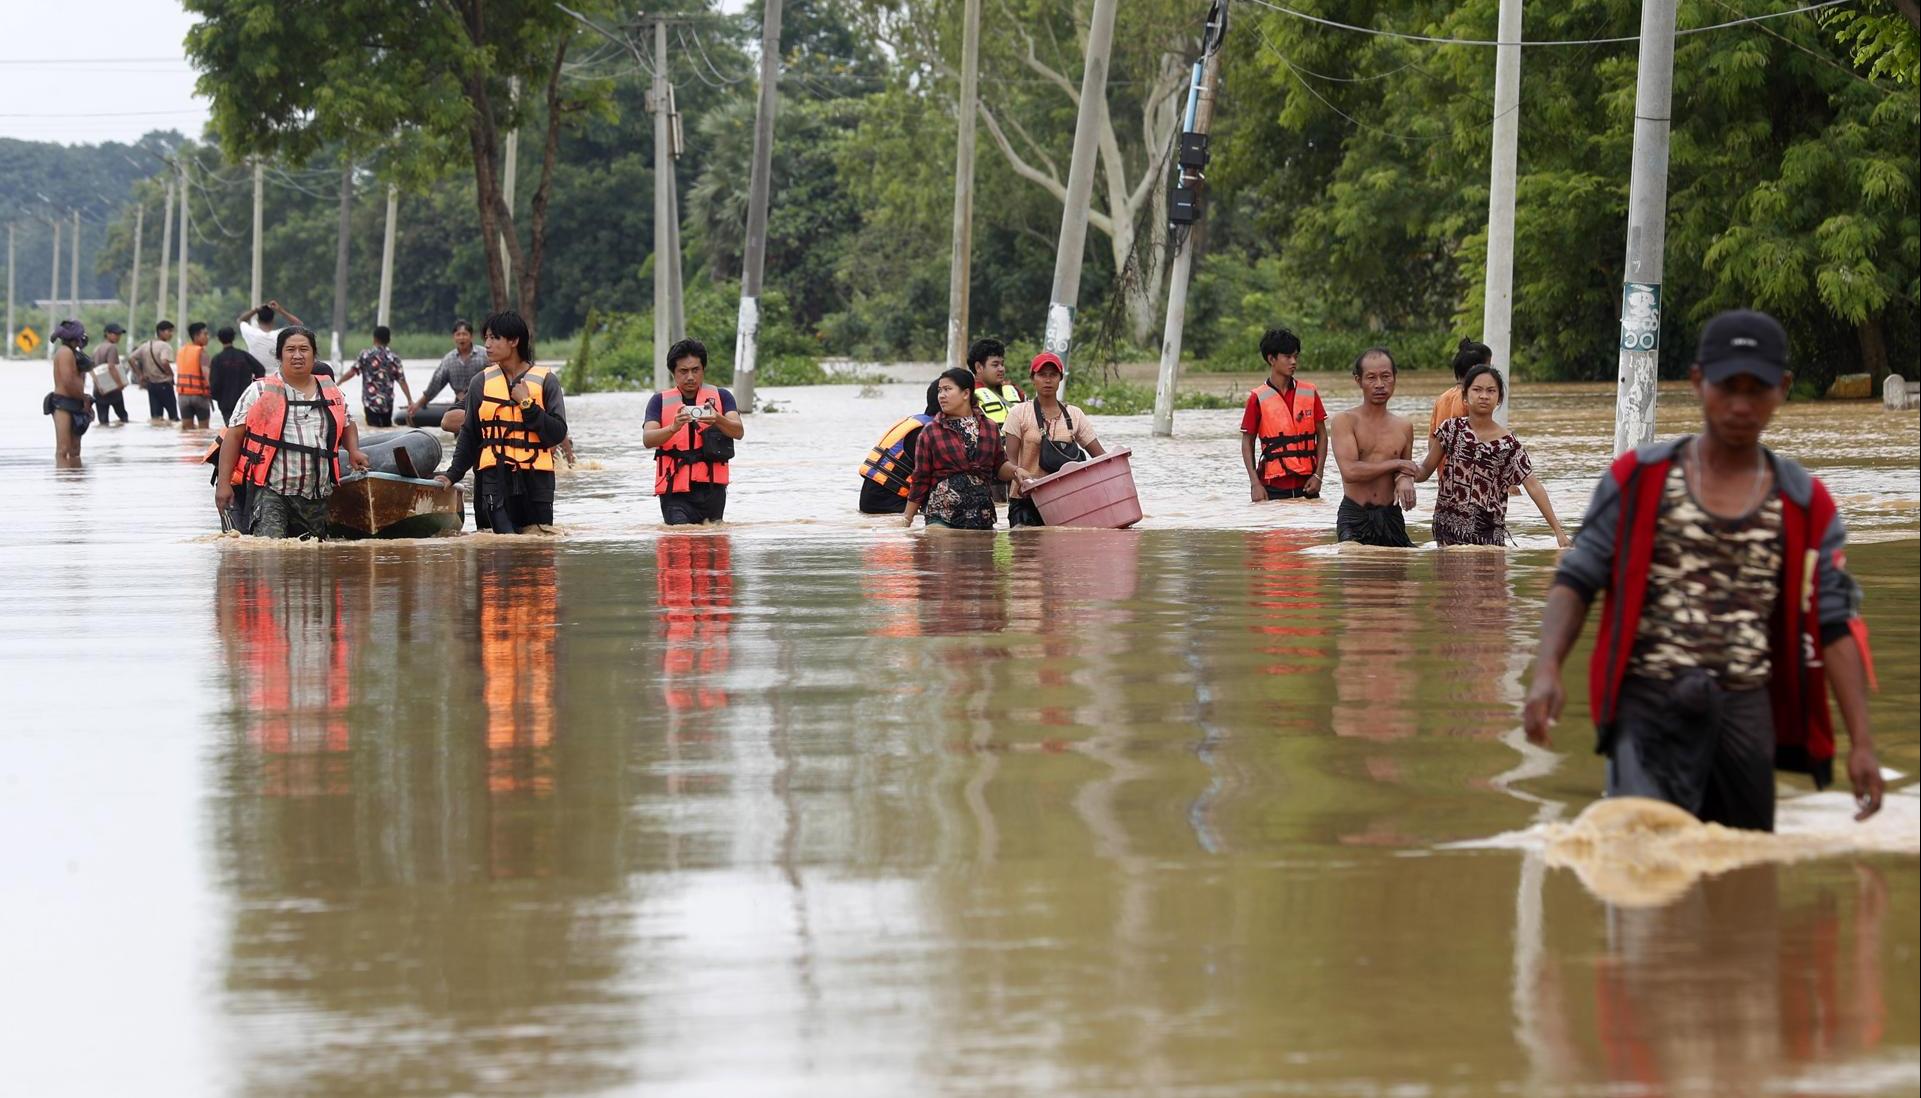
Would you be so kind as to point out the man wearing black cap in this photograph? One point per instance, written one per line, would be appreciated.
(1728, 614)
(109, 384)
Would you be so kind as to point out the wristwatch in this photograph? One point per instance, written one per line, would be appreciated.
(526, 404)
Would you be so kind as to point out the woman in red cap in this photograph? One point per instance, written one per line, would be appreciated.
(1045, 434)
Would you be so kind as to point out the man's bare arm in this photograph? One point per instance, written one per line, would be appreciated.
(1847, 680)
(1561, 623)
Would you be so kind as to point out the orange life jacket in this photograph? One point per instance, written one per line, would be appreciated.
(1289, 443)
(679, 465)
(190, 373)
(267, 426)
(504, 437)
(888, 464)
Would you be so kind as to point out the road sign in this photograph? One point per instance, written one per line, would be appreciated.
(28, 341)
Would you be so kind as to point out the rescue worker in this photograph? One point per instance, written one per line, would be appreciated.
(887, 475)
(190, 379)
(515, 416)
(692, 428)
(1286, 415)
(988, 359)
(285, 446)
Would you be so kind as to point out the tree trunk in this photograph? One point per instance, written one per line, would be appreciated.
(1873, 339)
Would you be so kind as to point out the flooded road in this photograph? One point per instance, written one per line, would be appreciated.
(810, 805)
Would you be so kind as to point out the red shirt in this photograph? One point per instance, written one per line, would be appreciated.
(1251, 425)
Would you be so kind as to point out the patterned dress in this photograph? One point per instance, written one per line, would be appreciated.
(1472, 508)
(1712, 585)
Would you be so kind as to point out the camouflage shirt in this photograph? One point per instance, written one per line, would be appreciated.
(1712, 586)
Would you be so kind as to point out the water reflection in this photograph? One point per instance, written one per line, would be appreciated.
(1748, 983)
(425, 872)
(695, 578)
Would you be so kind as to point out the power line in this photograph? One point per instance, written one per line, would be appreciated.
(1272, 6)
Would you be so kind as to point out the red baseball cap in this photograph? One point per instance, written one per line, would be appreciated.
(1046, 358)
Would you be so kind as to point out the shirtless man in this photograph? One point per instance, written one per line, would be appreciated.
(1375, 451)
(69, 404)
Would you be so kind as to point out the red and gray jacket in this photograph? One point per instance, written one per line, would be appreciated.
(1818, 604)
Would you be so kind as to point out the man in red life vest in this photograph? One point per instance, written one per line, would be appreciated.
(692, 428)
(284, 443)
(1729, 613)
(1288, 420)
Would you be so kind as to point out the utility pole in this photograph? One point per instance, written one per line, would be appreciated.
(387, 255)
(663, 217)
(513, 163)
(753, 261)
(180, 322)
(1640, 342)
(166, 253)
(10, 328)
(1186, 214)
(73, 275)
(1497, 300)
(676, 295)
(133, 284)
(960, 265)
(1059, 337)
(53, 291)
(340, 259)
(253, 294)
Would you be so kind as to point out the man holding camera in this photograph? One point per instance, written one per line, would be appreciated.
(692, 428)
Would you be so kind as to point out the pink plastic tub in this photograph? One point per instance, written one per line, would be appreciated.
(1099, 493)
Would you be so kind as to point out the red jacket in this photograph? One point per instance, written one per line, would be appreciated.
(1819, 602)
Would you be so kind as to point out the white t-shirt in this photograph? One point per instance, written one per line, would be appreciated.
(260, 344)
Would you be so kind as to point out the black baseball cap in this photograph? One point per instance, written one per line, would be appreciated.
(1743, 341)
(115, 329)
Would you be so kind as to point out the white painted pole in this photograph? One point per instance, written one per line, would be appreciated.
(1640, 331)
(166, 255)
(387, 255)
(133, 284)
(253, 292)
(1059, 337)
(1497, 305)
(960, 263)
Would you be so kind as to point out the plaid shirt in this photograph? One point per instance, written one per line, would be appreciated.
(943, 452)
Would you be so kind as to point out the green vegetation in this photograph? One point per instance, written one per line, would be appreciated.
(1348, 185)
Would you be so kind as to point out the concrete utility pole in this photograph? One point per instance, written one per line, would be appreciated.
(387, 255)
(507, 189)
(676, 293)
(1199, 116)
(663, 216)
(73, 274)
(1640, 342)
(253, 293)
(753, 261)
(960, 265)
(340, 260)
(133, 284)
(1059, 337)
(1497, 301)
(53, 291)
(166, 254)
(10, 328)
(180, 321)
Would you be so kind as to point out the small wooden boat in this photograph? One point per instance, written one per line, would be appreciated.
(387, 505)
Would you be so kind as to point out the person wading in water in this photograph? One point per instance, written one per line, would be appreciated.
(1045, 433)
(1289, 421)
(958, 459)
(68, 403)
(1375, 450)
(693, 428)
(516, 415)
(1483, 462)
(1729, 613)
(285, 446)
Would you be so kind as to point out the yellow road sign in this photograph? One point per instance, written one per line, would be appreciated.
(28, 341)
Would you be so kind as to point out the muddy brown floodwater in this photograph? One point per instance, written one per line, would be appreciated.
(809, 805)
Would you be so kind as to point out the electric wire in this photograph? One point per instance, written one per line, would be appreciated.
(1284, 10)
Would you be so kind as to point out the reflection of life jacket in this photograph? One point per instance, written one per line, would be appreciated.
(1288, 439)
(504, 437)
(889, 464)
(681, 464)
(190, 372)
(995, 405)
(518, 625)
(296, 703)
(696, 589)
(267, 426)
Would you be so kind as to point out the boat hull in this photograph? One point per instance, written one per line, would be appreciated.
(386, 505)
